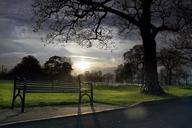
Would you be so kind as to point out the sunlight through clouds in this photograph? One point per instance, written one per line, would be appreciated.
(17, 36)
(81, 66)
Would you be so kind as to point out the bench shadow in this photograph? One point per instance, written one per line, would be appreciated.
(84, 120)
(9, 116)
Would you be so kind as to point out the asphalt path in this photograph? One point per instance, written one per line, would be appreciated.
(175, 113)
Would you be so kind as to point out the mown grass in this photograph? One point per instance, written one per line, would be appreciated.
(123, 96)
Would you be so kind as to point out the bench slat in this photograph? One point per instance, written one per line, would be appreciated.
(52, 87)
(53, 91)
(48, 82)
(60, 88)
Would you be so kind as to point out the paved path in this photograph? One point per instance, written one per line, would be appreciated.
(38, 113)
(162, 114)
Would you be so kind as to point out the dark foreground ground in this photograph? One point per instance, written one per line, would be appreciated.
(158, 114)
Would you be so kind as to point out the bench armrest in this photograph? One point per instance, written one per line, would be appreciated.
(19, 82)
(87, 85)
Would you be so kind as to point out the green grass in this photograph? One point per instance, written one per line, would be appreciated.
(102, 94)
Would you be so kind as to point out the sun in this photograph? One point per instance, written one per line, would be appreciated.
(82, 65)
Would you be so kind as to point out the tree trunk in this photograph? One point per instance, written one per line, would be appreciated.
(151, 84)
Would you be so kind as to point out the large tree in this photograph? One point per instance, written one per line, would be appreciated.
(170, 59)
(28, 67)
(58, 65)
(84, 21)
(183, 43)
(125, 72)
(135, 57)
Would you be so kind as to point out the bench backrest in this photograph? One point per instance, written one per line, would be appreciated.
(47, 86)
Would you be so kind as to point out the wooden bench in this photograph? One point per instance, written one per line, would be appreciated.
(23, 86)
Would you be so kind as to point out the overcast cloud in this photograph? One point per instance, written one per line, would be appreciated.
(18, 40)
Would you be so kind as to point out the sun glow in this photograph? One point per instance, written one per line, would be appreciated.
(82, 65)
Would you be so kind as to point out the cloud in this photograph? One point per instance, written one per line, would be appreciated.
(18, 40)
(85, 57)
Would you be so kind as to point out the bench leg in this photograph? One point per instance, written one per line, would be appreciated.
(13, 102)
(22, 98)
(91, 99)
(23, 102)
(90, 95)
(14, 96)
(80, 98)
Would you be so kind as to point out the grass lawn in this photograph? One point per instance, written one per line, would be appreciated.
(102, 94)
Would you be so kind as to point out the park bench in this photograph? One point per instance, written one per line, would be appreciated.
(23, 86)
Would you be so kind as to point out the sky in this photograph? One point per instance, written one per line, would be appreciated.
(17, 40)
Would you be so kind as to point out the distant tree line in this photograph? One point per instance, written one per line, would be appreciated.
(98, 76)
(172, 66)
(3, 72)
(55, 67)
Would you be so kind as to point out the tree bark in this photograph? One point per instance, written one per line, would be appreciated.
(151, 84)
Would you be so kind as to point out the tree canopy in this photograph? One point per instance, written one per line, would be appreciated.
(28, 67)
(58, 65)
(170, 59)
